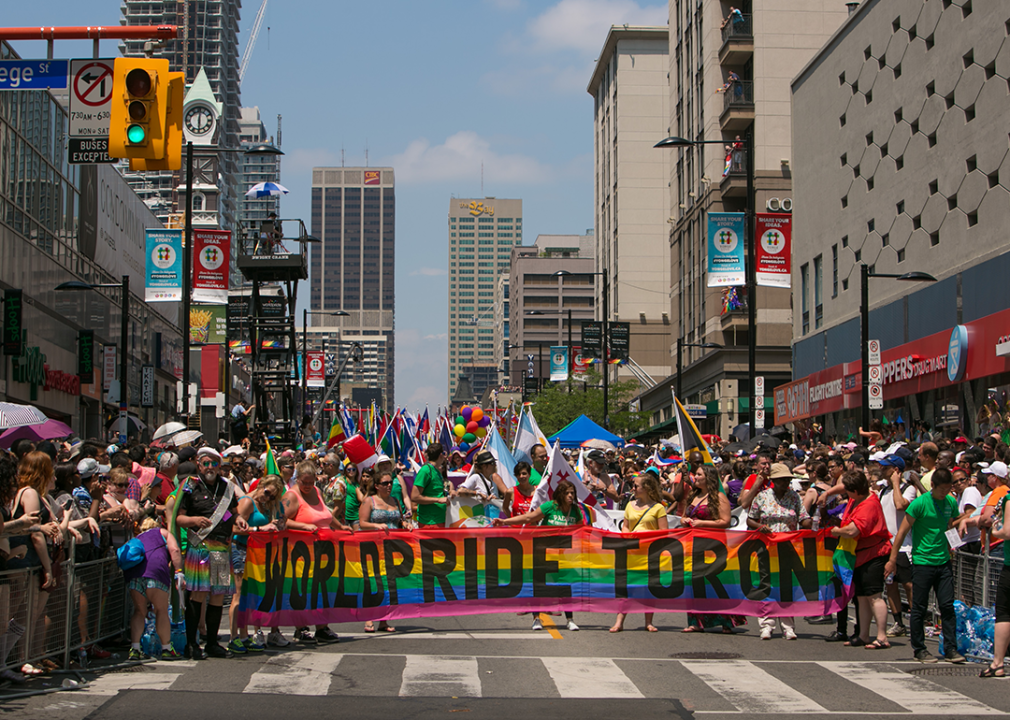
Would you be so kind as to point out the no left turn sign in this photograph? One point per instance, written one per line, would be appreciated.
(90, 97)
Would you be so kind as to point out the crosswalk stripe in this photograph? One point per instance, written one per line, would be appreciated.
(440, 676)
(916, 694)
(295, 673)
(111, 684)
(750, 689)
(589, 678)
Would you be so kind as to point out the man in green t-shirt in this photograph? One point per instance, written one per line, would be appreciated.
(428, 493)
(538, 453)
(928, 517)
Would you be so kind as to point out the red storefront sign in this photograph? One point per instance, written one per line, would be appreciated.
(915, 367)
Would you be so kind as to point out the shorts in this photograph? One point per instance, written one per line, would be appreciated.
(208, 568)
(1003, 596)
(903, 574)
(868, 578)
(142, 585)
(238, 552)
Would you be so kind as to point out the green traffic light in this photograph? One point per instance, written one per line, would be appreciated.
(135, 134)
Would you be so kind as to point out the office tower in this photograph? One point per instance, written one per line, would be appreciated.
(482, 233)
(351, 268)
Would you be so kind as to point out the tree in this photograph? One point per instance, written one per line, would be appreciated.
(555, 406)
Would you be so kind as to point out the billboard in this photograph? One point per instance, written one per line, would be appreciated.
(726, 246)
(774, 249)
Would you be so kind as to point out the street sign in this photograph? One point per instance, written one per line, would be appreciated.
(696, 412)
(759, 386)
(759, 418)
(529, 365)
(33, 74)
(874, 349)
(876, 397)
(147, 386)
(875, 375)
(90, 104)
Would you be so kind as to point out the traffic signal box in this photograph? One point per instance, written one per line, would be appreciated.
(146, 117)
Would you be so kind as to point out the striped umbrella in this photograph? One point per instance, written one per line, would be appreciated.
(266, 189)
(13, 415)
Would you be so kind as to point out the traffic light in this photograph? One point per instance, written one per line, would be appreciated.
(173, 129)
(138, 117)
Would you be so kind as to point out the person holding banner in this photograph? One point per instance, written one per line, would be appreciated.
(429, 493)
(645, 513)
(381, 511)
(484, 483)
(522, 493)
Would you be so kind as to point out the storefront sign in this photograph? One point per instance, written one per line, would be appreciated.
(211, 253)
(30, 368)
(13, 342)
(109, 383)
(64, 382)
(86, 356)
(957, 353)
(725, 249)
(147, 386)
(773, 251)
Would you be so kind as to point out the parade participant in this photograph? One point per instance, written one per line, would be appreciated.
(484, 483)
(381, 511)
(207, 511)
(262, 512)
(643, 514)
(150, 582)
(522, 493)
(399, 490)
(429, 493)
(758, 481)
(777, 509)
(895, 497)
(286, 464)
(353, 497)
(596, 478)
(539, 456)
(562, 511)
(864, 520)
(332, 484)
(927, 518)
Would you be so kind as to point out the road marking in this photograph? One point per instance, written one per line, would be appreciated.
(111, 684)
(440, 676)
(751, 689)
(917, 694)
(590, 678)
(447, 636)
(295, 673)
(549, 626)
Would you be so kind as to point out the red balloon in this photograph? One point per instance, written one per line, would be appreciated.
(471, 427)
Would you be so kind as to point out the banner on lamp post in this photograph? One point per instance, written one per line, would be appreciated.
(580, 368)
(559, 363)
(86, 356)
(164, 265)
(315, 373)
(13, 337)
(726, 249)
(211, 254)
(774, 249)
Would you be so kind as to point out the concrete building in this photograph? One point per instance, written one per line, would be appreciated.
(631, 113)
(543, 307)
(502, 318)
(482, 233)
(729, 77)
(352, 268)
(899, 137)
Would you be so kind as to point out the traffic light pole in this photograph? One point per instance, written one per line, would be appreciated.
(187, 275)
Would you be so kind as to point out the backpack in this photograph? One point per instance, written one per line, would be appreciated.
(130, 554)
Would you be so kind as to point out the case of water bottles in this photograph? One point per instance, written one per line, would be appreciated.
(975, 628)
(150, 643)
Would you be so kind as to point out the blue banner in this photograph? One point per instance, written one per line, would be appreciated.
(559, 362)
(164, 265)
(726, 249)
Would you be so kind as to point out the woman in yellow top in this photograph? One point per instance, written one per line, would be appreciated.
(643, 514)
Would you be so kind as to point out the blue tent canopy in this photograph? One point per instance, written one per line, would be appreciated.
(581, 429)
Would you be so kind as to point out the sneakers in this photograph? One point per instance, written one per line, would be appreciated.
(789, 634)
(766, 634)
(897, 630)
(216, 651)
(326, 636)
(193, 652)
(954, 657)
(171, 654)
(572, 626)
(836, 637)
(305, 636)
(537, 625)
(277, 640)
(237, 647)
(924, 656)
(96, 653)
(260, 639)
(134, 655)
(253, 646)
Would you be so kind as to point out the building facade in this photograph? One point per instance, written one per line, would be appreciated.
(352, 267)
(482, 233)
(502, 320)
(900, 146)
(631, 96)
(547, 310)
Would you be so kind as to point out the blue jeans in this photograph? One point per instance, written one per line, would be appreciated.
(940, 579)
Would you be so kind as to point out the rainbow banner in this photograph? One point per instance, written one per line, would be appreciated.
(296, 578)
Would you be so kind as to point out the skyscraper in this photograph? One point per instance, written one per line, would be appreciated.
(351, 269)
(482, 233)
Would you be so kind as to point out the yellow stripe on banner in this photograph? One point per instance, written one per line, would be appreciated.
(549, 626)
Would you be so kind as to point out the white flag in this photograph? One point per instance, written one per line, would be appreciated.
(527, 436)
(557, 470)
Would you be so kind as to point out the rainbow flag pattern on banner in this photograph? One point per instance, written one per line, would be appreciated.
(296, 578)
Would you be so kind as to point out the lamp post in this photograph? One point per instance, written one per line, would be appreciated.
(305, 349)
(864, 325)
(605, 339)
(680, 346)
(571, 357)
(187, 251)
(124, 332)
(751, 277)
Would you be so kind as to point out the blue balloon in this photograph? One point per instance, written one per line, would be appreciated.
(464, 446)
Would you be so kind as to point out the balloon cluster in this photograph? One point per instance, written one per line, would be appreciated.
(471, 425)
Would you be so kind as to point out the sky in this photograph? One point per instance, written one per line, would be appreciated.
(434, 89)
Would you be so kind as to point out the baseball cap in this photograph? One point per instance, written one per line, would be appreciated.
(186, 454)
(75, 448)
(207, 450)
(877, 456)
(997, 468)
(596, 456)
(892, 461)
(89, 466)
(186, 470)
(961, 439)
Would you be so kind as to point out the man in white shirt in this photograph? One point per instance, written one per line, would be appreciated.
(896, 495)
(968, 500)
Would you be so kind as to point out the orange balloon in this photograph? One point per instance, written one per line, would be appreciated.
(477, 414)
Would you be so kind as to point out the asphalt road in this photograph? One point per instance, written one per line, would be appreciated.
(495, 666)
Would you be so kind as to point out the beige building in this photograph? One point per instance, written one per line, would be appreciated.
(729, 76)
(631, 112)
(502, 320)
(482, 233)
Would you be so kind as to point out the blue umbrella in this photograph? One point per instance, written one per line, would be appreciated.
(266, 189)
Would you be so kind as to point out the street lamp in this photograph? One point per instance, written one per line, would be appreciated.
(606, 338)
(680, 345)
(124, 328)
(305, 348)
(864, 325)
(751, 277)
(571, 356)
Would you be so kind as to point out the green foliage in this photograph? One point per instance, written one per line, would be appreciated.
(555, 407)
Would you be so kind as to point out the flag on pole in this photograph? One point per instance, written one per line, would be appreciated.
(690, 438)
(557, 470)
(336, 431)
(495, 444)
(270, 466)
(360, 452)
(528, 435)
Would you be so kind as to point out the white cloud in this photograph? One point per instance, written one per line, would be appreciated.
(420, 361)
(438, 336)
(460, 158)
(429, 272)
(583, 24)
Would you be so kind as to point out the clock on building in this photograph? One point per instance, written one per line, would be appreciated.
(200, 122)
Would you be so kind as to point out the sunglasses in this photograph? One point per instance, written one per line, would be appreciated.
(120, 485)
(210, 464)
(385, 482)
(267, 494)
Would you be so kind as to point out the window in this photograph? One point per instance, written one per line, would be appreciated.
(804, 293)
(818, 291)
(834, 271)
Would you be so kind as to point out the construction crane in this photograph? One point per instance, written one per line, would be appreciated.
(247, 55)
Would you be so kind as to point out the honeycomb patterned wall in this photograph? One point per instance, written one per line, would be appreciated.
(901, 145)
